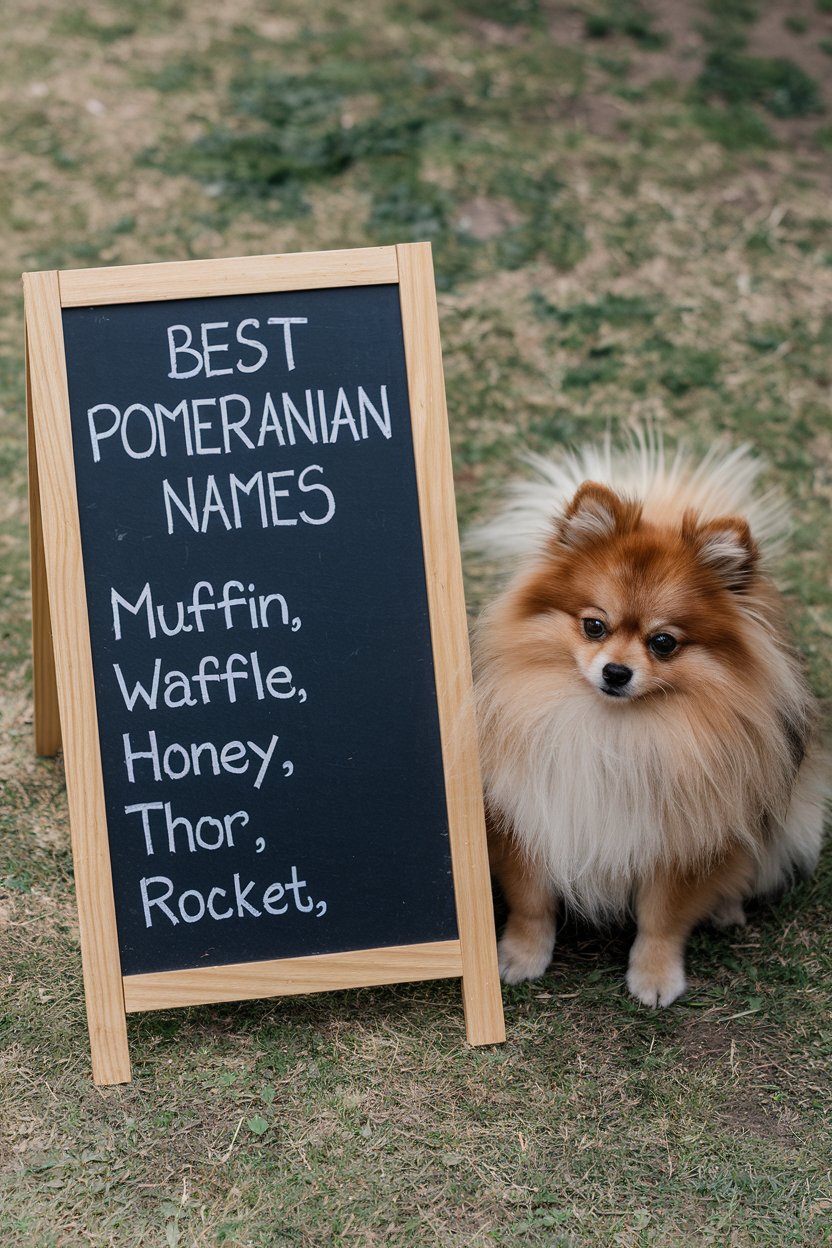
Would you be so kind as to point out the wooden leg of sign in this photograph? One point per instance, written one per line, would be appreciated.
(446, 602)
(46, 717)
(482, 996)
(59, 544)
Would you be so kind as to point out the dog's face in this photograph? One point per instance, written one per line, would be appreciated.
(643, 609)
(626, 657)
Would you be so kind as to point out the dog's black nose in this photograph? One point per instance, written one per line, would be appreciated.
(617, 675)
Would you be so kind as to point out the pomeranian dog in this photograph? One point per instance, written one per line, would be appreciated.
(646, 732)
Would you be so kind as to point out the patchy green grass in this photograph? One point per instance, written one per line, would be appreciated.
(629, 209)
(625, 17)
(777, 83)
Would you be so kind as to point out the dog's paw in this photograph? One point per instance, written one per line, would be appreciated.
(656, 990)
(523, 957)
(655, 977)
(728, 913)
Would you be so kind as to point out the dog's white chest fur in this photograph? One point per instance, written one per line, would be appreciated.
(597, 795)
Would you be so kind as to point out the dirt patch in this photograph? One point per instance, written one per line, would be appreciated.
(598, 114)
(485, 218)
(745, 1117)
(751, 1075)
(495, 34)
(566, 26)
(705, 1040)
(681, 59)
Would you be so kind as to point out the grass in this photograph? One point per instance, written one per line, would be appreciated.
(629, 213)
(630, 18)
(781, 86)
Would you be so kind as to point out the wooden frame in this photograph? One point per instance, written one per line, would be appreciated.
(63, 676)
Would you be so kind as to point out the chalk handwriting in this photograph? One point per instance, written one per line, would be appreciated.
(227, 503)
(180, 339)
(179, 689)
(209, 425)
(144, 759)
(234, 605)
(207, 832)
(272, 494)
(220, 903)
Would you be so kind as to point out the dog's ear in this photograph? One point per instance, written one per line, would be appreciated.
(726, 547)
(595, 514)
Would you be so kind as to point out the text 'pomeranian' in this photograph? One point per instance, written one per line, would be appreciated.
(646, 733)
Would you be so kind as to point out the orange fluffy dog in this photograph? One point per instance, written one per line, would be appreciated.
(646, 732)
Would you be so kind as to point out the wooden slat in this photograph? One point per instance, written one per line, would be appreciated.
(452, 661)
(246, 275)
(364, 968)
(46, 714)
(76, 693)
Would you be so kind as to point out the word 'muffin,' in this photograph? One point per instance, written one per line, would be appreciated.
(234, 606)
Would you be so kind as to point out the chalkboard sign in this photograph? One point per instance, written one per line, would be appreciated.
(243, 522)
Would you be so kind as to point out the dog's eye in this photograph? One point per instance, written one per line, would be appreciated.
(594, 629)
(662, 645)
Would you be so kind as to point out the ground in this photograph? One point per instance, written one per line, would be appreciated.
(629, 207)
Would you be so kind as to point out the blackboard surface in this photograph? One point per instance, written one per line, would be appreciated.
(258, 615)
